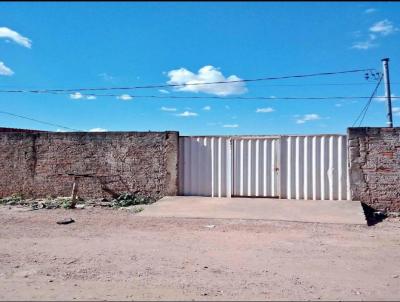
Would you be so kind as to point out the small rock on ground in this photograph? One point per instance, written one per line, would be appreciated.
(66, 221)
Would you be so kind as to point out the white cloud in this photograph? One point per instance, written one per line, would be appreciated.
(163, 91)
(265, 110)
(377, 30)
(106, 77)
(364, 45)
(7, 33)
(370, 10)
(98, 130)
(384, 27)
(396, 111)
(4, 70)
(231, 126)
(382, 98)
(170, 109)
(207, 108)
(206, 74)
(10, 34)
(308, 117)
(124, 97)
(78, 96)
(187, 114)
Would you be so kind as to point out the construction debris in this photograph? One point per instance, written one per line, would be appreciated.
(210, 226)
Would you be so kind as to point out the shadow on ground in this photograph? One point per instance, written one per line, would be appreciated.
(372, 216)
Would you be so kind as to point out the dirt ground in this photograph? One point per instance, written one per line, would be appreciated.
(115, 255)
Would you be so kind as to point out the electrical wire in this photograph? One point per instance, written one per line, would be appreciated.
(272, 85)
(325, 84)
(39, 121)
(363, 112)
(163, 97)
(361, 115)
(193, 84)
(68, 91)
(82, 95)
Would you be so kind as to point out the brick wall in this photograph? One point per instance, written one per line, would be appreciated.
(2, 129)
(37, 164)
(374, 158)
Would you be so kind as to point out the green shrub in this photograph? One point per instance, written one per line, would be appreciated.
(128, 199)
(52, 203)
(14, 199)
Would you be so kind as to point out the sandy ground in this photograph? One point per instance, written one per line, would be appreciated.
(115, 255)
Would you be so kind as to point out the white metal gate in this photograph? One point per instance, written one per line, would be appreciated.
(314, 167)
(292, 167)
(255, 167)
(205, 166)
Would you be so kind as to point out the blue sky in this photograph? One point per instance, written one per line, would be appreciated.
(73, 45)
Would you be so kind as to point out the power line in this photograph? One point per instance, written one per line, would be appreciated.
(239, 97)
(365, 108)
(235, 98)
(268, 85)
(323, 84)
(39, 121)
(362, 113)
(213, 97)
(194, 84)
(204, 97)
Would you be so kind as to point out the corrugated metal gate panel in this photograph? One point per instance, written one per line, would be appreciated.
(314, 167)
(255, 163)
(205, 166)
(292, 167)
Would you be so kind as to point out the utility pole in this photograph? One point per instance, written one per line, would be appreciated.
(385, 63)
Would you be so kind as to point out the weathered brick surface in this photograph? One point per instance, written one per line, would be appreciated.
(374, 158)
(37, 164)
(19, 130)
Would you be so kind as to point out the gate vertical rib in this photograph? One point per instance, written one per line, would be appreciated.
(330, 168)
(229, 171)
(212, 167)
(321, 168)
(265, 167)
(314, 168)
(256, 165)
(289, 168)
(340, 168)
(273, 170)
(219, 167)
(297, 168)
(305, 172)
